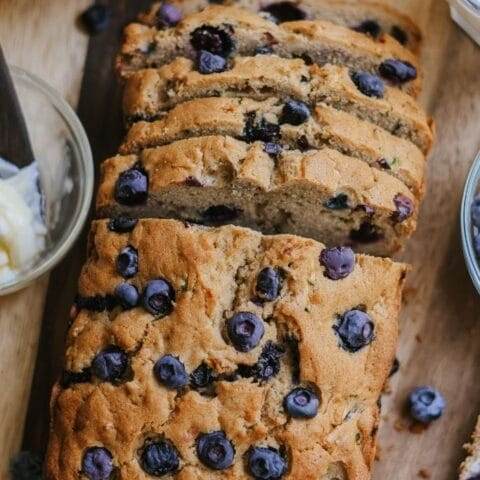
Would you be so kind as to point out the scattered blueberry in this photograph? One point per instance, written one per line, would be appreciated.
(245, 331)
(110, 364)
(264, 50)
(285, 12)
(301, 403)
(202, 377)
(122, 224)
(399, 34)
(404, 208)
(339, 262)
(158, 297)
(132, 187)
(476, 212)
(356, 330)
(261, 130)
(273, 149)
(208, 63)
(96, 18)
(168, 16)
(213, 40)
(340, 202)
(370, 85)
(127, 295)
(295, 113)
(269, 284)
(218, 214)
(215, 450)
(268, 364)
(369, 27)
(397, 71)
(159, 458)
(426, 404)
(97, 464)
(26, 466)
(170, 371)
(127, 262)
(367, 233)
(266, 463)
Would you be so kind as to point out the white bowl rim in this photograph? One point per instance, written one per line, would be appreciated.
(76, 127)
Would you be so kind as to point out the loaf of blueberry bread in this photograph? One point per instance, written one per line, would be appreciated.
(292, 124)
(370, 17)
(205, 353)
(214, 35)
(214, 180)
(470, 468)
(149, 93)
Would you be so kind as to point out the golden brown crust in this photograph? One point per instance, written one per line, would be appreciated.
(150, 92)
(213, 272)
(322, 42)
(326, 127)
(350, 13)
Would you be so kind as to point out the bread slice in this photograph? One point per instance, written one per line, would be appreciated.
(149, 93)
(470, 468)
(372, 17)
(324, 195)
(248, 119)
(120, 414)
(238, 31)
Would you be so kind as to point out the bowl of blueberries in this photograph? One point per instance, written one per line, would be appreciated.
(470, 222)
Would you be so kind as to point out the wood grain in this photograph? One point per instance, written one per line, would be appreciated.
(440, 341)
(38, 36)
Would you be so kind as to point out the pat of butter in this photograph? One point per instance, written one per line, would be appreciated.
(466, 13)
(22, 231)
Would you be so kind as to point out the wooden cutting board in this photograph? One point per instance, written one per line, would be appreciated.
(440, 341)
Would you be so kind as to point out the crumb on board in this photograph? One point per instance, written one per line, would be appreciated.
(424, 473)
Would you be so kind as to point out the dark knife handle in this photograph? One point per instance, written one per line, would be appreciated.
(14, 140)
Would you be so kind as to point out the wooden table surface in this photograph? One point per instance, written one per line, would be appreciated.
(440, 341)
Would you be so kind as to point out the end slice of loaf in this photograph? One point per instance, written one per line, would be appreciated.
(317, 41)
(244, 118)
(149, 93)
(213, 275)
(355, 14)
(318, 194)
(470, 468)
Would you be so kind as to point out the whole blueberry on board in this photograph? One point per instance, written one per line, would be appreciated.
(426, 404)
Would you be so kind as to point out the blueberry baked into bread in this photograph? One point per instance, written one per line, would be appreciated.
(470, 468)
(202, 353)
(217, 33)
(372, 18)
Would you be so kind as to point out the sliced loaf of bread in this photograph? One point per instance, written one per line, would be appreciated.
(217, 180)
(149, 93)
(290, 124)
(224, 31)
(368, 16)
